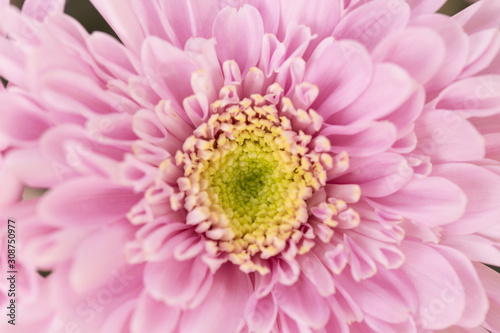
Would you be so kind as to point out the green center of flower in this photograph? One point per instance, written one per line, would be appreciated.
(248, 182)
(247, 178)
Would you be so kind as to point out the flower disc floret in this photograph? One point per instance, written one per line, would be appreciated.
(247, 177)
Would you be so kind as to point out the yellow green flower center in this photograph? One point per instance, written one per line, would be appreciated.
(247, 178)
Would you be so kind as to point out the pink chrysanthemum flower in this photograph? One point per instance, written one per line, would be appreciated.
(254, 166)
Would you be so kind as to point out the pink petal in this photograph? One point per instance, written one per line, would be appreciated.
(119, 320)
(302, 302)
(272, 54)
(153, 316)
(420, 7)
(390, 288)
(72, 151)
(86, 201)
(312, 267)
(12, 62)
(22, 121)
(341, 70)
(484, 47)
(372, 22)
(174, 282)
(385, 254)
(446, 286)
(260, 313)
(456, 47)
(420, 62)
(344, 307)
(152, 20)
(30, 167)
(88, 261)
(378, 175)
(439, 289)
(168, 70)
(477, 96)
(42, 9)
(476, 304)
(362, 264)
(378, 137)
(336, 325)
(428, 201)
(482, 188)
(389, 88)
(320, 16)
(121, 17)
(52, 247)
(112, 55)
(446, 136)
(75, 93)
(490, 281)
(492, 146)
(239, 36)
(288, 272)
(378, 325)
(193, 18)
(476, 247)
(290, 325)
(270, 12)
(407, 113)
(224, 307)
(480, 16)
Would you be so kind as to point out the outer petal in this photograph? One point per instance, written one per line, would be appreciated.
(476, 304)
(419, 51)
(86, 201)
(112, 55)
(482, 189)
(153, 316)
(476, 96)
(391, 288)
(260, 313)
(42, 9)
(224, 306)
(429, 201)
(491, 282)
(168, 70)
(378, 137)
(176, 283)
(446, 136)
(321, 16)
(419, 7)
(123, 20)
(22, 121)
(456, 46)
(270, 12)
(439, 289)
(303, 303)
(373, 21)
(341, 70)
(190, 18)
(12, 62)
(88, 261)
(389, 88)
(447, 285)
(480, 16)
(484, 47)
(239, 36)
(476, 247)
(25, 167)
(378, 175)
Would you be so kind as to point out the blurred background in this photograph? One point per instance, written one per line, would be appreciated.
(83, 11)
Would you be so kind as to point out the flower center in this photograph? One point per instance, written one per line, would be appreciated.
(247, 178)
